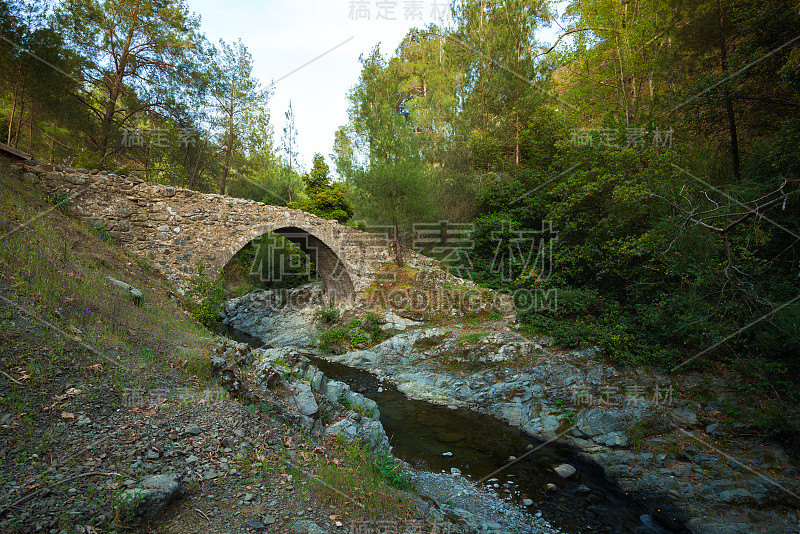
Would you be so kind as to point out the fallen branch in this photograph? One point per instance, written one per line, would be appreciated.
(11, 378)
(199, 511)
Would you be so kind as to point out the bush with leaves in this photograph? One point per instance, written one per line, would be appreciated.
(206, 296)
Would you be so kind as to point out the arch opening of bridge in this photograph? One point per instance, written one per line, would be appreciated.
(330, 266)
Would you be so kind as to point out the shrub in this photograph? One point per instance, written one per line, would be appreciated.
(357, 338)
(385, 467)
(101, 231)
(206, 296)
(372, 325)
(327, 315)
(329, 338)
(61, 199)
(344, 400)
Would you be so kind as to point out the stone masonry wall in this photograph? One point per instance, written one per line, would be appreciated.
(178, 228)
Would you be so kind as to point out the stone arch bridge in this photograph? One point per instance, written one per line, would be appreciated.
(179, 228)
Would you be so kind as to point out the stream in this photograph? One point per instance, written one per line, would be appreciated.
(437, 439)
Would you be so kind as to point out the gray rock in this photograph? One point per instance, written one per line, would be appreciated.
(339, 392)
(333, 390)
(279, 318)
(304, 400)
(736, 496)
(75, 179)
(358, 429)
(550, 488)
(304, 526)
(150, 497)
(603, 426)
(565, 470)
(128, 289)
(255, 524)
(527, 502)
(685, 416)
(267, 375)
(712, 428)
(193, 430)
(395, 322)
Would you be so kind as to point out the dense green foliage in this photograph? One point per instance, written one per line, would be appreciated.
(324, 199)
(132, 86)
(269, 262)
(643, 167)
(206, 296)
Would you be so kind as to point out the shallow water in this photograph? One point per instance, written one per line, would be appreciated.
(481, 445)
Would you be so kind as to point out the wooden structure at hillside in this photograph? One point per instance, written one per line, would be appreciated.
(14, 152)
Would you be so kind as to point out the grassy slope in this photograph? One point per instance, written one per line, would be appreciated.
(63, 327)
(55, 268)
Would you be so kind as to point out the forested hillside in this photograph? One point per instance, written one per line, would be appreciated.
(640, 170)
(652, 149)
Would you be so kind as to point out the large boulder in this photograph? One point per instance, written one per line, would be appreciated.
(135, 295)
(149, 498)
(340, 393)
(279, 318)
(303, 399)
(395, 322)
(606, 427)
(358, 429)
(565, 470)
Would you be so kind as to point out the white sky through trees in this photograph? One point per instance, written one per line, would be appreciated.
(284, 35)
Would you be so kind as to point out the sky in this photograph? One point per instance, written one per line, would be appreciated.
(310, 49)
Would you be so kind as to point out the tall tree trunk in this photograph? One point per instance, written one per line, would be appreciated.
(197, 164)
(228, 151)
(115, 88)
(727, 97)
(19, 120)
(52, 144)
(398, 249)
(108, 117)
(14, 104)
(30, 133)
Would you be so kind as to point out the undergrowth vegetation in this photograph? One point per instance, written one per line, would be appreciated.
(371, 474)
(56, 269)
(355, 334)
(206, 296)
(67, 332)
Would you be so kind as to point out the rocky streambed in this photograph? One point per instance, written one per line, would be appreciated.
(686, 471)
